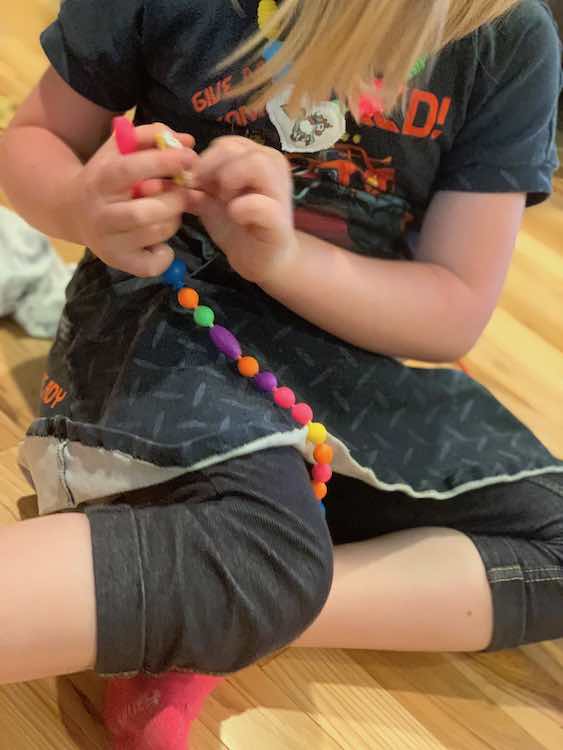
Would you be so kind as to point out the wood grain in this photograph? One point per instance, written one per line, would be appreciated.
(326, 700)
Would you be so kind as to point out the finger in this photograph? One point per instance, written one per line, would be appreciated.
(200, 204)
(256, 171)
(153, 234)
(145, 135)
(149, 262)
(118, 174)
(218, 156)
(149, 188)
(142, 262)
(259, 215)
(145, 138)
(127, 216)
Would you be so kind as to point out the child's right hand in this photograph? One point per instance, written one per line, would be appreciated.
(130, 234)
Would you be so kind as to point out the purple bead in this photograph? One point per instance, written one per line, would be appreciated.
(266, 381)
(225, 342)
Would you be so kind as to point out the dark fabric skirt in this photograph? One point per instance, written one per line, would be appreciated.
(136, 375)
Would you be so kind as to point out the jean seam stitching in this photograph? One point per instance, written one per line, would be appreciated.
(141, 585)
(61, 466)
(508, 568)
(528, 581)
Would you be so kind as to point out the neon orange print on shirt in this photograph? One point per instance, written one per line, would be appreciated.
(219, 90)
(425, 116)
(51, 393)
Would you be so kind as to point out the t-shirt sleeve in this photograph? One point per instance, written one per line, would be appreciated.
(507, 142)
(96, 47)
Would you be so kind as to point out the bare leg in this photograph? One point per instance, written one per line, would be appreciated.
(47, 602)
(417, 590)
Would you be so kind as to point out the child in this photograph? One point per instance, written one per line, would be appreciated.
(200, 546)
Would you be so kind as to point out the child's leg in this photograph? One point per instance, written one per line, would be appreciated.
(207, 572)
(415, 590)
(226, 571)
(493, 579)
(212, 570)
(47, 600)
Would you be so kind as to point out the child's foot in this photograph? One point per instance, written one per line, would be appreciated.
(167, 730)
(155, 713)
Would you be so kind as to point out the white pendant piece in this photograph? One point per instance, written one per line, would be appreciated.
(316, 128)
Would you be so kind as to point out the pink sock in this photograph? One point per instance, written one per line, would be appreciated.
(155, 713)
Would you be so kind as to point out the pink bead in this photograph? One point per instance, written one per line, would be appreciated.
(284, 397)
(322, 473)
(302, 413)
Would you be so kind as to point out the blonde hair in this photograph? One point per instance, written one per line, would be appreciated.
(340, 46)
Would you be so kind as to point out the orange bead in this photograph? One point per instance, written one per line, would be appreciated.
(188, 298)
(320, 490)
(248, 367)
(323, 454)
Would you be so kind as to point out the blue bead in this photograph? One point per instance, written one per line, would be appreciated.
(271, 49)
(323, 508)
(175, 275)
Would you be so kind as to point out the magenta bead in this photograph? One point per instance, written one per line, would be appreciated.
(302, 413)
(266, 381)
(284, 397)
(322, 473)
(225, 342)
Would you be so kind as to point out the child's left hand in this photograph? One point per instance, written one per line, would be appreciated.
(243, 196)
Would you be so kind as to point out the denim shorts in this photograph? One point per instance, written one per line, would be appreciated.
(211, 570)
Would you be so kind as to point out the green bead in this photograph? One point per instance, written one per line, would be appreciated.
(419, 66)
(204, 316)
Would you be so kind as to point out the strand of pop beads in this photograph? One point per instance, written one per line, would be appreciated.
(226, 342)
(266, 382)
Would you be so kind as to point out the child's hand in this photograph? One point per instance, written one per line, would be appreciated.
(244, 200)
(129, 234)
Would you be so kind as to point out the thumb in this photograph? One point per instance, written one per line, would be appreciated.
(150, 261)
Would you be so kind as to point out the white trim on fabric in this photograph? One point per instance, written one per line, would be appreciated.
(67, 474)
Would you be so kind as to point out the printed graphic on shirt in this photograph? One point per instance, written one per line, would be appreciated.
(313, 129)
(348, 198)
(344, 193)
(425, 116)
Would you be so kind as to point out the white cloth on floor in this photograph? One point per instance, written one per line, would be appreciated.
(33, 278)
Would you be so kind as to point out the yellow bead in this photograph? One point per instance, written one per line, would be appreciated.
(317, 433)
(266, 10)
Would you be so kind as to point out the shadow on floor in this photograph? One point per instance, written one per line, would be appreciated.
(80, 700)
(28, 376)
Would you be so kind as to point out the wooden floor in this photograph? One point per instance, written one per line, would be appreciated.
(326, 700)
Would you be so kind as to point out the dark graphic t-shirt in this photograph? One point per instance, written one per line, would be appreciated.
(479, 118)
(137, 375)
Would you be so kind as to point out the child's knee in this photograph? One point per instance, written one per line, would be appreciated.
(269, 591)
(210, 586)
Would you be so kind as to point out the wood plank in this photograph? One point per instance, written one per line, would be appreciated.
(529, 696)
(348, 702)
(252, 710)
(457, 712)
(29, 721)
